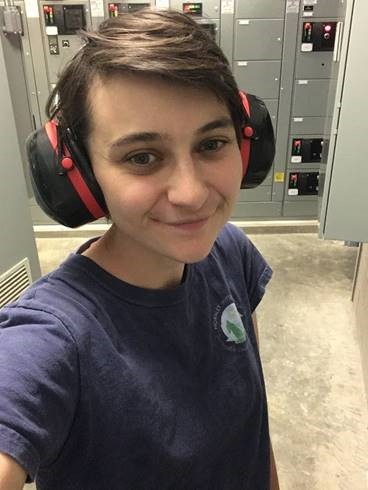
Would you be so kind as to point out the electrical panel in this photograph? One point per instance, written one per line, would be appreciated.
(61, 20)
(193, 8)
(67, 19)
(116, 9)
(61, 23)
(306, 150)
(318, 36)
(205, 13)
(318, 42)
(303, 184)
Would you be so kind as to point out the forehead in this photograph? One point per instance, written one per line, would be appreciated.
(131, 103)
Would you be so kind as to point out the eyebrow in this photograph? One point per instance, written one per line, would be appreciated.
(143, 137)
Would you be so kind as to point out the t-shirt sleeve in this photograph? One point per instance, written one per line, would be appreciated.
(257, 272)
(38, 386)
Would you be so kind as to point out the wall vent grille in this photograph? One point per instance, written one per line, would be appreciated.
(14, 281)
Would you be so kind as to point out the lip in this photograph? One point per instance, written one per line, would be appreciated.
(189, 225)
(189, 222)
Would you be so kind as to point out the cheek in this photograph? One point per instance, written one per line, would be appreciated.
(230, 176)
(128, 196)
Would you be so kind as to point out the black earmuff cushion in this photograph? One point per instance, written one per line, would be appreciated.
(262, 148)
(53, 191)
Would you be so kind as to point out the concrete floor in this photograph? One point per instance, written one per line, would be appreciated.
(318, 409)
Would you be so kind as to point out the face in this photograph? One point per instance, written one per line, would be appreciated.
(168, 163)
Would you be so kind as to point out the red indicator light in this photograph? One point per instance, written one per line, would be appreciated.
(328, 28)
(307, 25)
(45, 8)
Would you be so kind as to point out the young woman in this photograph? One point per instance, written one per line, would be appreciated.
(135, 364)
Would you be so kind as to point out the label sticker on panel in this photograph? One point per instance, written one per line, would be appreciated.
(244, 22)
(279, 176)
(293, 192)
(227, 7)
(296, 159)
(51, 30)
(307, 47)
(97, 8)
(292, 6)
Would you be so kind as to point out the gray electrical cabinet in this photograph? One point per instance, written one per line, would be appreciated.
(318, 45)
(18, 57)
(344, 205)
(258, 33)
(19, 264)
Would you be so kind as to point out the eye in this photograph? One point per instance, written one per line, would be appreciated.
(142, 159)
(212, 145)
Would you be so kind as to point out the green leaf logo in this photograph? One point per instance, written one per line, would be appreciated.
(235, 332)
(232, 325)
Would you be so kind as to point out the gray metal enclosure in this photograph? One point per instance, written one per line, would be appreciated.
(18, 254)
(344, 214)
(286, 52)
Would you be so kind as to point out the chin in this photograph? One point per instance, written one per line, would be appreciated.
(193, 256)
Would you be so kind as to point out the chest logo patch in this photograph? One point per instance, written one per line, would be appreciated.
(232, 325)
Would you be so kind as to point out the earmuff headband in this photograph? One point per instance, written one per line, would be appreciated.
(245, 146)
(74, 174)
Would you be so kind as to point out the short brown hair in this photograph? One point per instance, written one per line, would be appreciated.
(160, 43)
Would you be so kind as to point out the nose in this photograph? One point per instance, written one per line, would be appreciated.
(187, 186)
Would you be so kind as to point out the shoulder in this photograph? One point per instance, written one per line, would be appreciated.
(242, 262)
(44, 313)
(231, 234)
(61, 296)
(31, 329)
(233, 245)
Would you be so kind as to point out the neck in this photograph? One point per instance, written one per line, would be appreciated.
(126, 260)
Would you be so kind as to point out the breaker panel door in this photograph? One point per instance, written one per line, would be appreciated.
(322, 8)
(256, 9)
(309, 125)
(261, 78)
(310, 97)
(257, 39)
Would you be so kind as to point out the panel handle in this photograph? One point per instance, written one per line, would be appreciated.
(337, 46)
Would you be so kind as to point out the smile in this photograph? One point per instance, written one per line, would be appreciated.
(188, 226)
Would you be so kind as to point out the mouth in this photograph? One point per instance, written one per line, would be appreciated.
(188, 225)
(189, 222)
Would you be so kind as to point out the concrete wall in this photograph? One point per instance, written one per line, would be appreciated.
(360, 300)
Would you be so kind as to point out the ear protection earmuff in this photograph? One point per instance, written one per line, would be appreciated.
(62, 178)
(65, 186)
(258, 144)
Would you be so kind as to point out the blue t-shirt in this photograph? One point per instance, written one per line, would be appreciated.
(108, 386)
